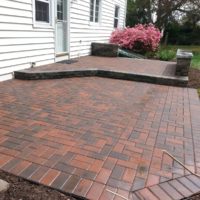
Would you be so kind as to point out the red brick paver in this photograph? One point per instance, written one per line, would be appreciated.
(87, 135)
(143, 66)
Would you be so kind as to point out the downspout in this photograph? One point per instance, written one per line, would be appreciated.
(69, 4)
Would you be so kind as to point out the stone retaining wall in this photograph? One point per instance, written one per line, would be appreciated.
(104, 49)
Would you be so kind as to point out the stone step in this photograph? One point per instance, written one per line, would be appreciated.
(175, 189)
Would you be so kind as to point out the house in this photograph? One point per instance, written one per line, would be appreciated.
(38, 32)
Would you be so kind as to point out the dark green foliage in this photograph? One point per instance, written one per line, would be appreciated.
(183, 34)
(182, 30)
(138, 12)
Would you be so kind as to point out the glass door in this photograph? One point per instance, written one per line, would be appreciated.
(61, 26)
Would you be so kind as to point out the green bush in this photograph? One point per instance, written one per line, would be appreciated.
(166, 54)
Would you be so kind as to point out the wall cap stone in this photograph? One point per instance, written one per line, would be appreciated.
(184, 54)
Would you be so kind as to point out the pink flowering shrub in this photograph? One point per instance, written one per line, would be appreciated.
(143, 38)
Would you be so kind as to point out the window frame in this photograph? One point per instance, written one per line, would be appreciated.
(94, 12)
(42, 24)
(61, 12)
(118, 17)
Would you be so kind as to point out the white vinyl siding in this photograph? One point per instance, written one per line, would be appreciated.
(83, 33)
(21, 43)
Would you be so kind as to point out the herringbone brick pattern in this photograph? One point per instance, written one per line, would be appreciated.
(86, 135)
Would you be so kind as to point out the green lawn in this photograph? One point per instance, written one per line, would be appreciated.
(194, 49)
(196, 61)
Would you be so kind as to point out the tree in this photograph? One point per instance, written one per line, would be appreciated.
(166, 9)
(191, 15)
(143, 11)
(138, 12)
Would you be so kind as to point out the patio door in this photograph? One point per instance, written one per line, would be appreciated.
(61, 27)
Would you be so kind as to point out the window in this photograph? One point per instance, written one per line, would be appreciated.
(116, 17)
(60, 10)
(94, 10)
(42, 11)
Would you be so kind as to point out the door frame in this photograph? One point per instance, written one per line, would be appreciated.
(62, 54)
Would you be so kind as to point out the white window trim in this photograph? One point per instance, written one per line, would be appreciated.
(40, 24)
(118, 18)
(99, 16)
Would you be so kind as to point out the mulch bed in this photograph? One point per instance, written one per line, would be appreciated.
(193, 197)
(21, 189)
(194, 78)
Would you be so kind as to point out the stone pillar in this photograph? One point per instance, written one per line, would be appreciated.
(184, 59)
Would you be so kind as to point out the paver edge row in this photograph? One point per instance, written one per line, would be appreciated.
(141, 77)
(47, 186)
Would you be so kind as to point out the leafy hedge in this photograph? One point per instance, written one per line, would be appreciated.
(141, 38)
(183, 35)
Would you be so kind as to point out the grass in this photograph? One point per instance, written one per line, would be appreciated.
(196, 61)
(167, 51)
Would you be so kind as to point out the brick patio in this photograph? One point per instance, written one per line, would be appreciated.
(86, 135)
(152, 67)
